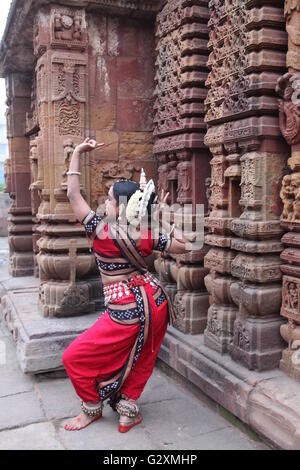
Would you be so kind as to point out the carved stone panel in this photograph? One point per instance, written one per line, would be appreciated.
(290, 298)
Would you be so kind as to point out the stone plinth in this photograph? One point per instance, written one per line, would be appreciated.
(40, 341)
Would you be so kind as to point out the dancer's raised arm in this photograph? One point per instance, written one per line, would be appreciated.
(79, 205)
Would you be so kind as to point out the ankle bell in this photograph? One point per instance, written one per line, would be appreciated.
(127, 408)
(91, 412)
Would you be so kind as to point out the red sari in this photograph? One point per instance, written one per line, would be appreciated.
(117, 354)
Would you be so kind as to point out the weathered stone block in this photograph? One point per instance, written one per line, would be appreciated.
(191, 278)
(257, 343)
(135, 79)
(103, 117)
(290, 363)
(256, 230)
(257, 269)
(111, 139)
(218, 334)
(21, 264)
(191, 309)
(135, 115)
(136, 145)
(256, 300)
(219, 260)
(40, 342)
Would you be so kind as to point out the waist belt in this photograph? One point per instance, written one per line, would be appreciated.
(120, 289)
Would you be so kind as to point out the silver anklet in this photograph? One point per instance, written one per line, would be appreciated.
(91, 412)
(126, 408)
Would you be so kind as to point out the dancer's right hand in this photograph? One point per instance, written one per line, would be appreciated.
(87, 145)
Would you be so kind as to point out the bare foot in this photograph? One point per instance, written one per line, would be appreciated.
(81, 421)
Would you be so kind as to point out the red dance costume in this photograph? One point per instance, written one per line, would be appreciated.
(117, 354)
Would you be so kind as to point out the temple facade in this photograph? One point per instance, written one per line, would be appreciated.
(205, 96)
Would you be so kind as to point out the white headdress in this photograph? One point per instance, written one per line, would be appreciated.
(138, 203)
(149, 189)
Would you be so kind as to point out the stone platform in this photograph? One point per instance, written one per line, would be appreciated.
(268, 401)
(40, 341)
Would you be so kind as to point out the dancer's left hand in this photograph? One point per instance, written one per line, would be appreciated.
(89, 144)
(163, 200)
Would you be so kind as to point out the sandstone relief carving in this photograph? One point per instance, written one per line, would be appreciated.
(68, 28)
(288, 87)
(290, 195)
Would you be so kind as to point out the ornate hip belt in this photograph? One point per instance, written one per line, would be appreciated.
(121, 289)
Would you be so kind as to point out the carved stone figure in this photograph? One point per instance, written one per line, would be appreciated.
(63, 27)
(291, 11)
(296, 188)
(288, 87)
(291, 295)
(68, 151)
(33, 163)
(111, 172)
(241, 336)
(77, 28)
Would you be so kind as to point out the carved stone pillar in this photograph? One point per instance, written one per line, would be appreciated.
(18, 87)
(288, 88)
(181, 56)
(35, 199)
(256, 340)
(86, 88)
(65, 265)
(222, 311)
(247, 44)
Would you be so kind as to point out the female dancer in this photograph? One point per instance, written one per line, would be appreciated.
(115, 357)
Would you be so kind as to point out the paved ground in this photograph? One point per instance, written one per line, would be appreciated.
(33, 410)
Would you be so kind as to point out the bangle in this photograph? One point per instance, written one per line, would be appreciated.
(73, 173)
(88, 217)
